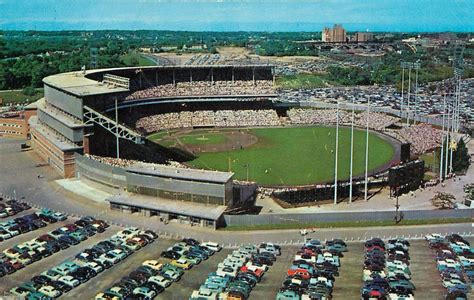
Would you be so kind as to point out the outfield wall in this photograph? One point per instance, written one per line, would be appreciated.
(249, 220)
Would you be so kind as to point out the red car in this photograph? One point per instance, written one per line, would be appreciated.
(257, 272)
(302, 273)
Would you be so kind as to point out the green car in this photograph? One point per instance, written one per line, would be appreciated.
(38, 296)
(78, 235)
(172, 268)
(287, 295)
(28, 285)
(193, 260)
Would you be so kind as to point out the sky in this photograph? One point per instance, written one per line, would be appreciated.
(234, 15)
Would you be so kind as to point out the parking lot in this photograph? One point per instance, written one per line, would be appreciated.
(347, 285)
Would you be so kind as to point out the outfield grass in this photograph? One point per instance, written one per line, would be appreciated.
(344, 224)
(298, 156)
(17, 96)
(203, 139)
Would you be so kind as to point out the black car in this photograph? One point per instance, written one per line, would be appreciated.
(139, 277)
(47, 219)
(125, 285)
(7, 268)
(190, 242)
(129, 282)
(170, 254)
(152, 234)
(81, 223)
(68, 240)
(262, 260)
(153, 286)
(60, 286)
(248, 278)
(148, 270)
(83, 274)
(62, 244)
(41, 280)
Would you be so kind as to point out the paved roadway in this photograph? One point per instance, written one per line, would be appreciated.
(20, 175)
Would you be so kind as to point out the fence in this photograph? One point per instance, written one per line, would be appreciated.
(344, 216)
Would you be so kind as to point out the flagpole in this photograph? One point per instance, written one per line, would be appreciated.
(352, 153)
(337, 150)
(367, 151)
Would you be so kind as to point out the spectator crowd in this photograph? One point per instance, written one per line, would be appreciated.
(206, 88)
(208, 118)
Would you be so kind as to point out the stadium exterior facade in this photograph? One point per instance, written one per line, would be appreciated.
(71, 121)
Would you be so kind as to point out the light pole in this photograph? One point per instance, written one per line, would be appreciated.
(367, 151)
(352, 153)
(337, 150)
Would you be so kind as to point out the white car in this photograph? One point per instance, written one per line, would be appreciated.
(160, 280)
(321, 279)
(253, 267)
(393, 296)
(4, 235)
(433, 237)
(213, 246)
(49, 291)
(204, 294)
(154, 264)
(69, 280)
(94, 266)
(226, 271)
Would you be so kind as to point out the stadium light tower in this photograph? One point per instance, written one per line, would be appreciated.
(442, 141)
(352, 153)
(409, 95)
(367, 151)
(447, 141)
(337, 152)
(416, 65)
(403, 65)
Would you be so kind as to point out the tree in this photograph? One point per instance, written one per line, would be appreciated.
(461, 159)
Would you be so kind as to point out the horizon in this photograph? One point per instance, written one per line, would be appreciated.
(422, 16)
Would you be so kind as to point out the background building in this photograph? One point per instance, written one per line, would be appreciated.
(337, 34)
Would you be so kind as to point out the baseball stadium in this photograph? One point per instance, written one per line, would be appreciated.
(195, 142)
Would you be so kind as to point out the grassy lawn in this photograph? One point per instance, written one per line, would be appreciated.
(300, 81)
(298, 156)
(17, 96)
(156, 136)
(203, 139)
(132, 58)
(343, 224)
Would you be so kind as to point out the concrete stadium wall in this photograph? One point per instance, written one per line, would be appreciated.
(344, 216)
(110, 177)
